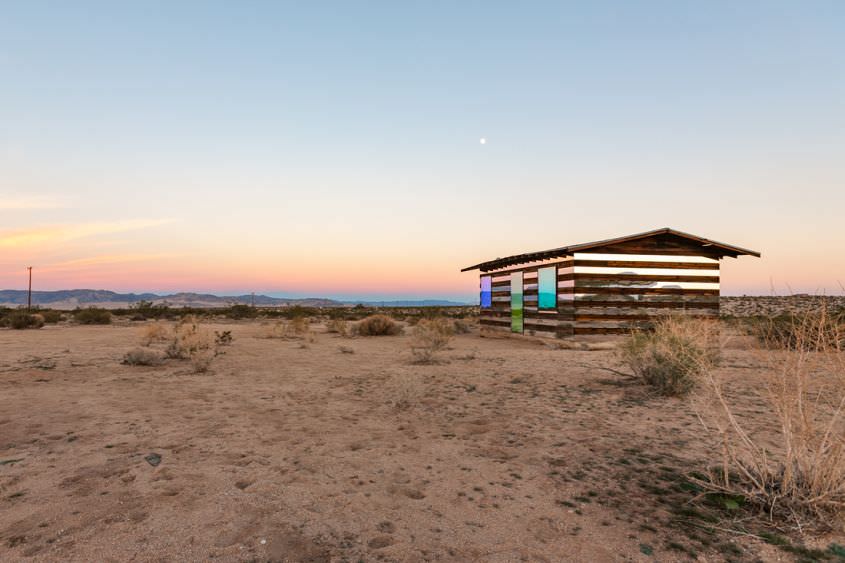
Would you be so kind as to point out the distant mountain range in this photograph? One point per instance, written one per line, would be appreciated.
(410, 303)
(72, 298)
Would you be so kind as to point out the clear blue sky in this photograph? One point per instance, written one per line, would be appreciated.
(228, 147)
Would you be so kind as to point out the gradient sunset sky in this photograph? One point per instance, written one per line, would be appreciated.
(333, 149)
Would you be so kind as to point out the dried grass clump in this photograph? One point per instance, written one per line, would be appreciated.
(674, 356)
(295, 328)
(405, 391)
(193, 342)
(190, 341)
(201, 359)
(377, 325)
(793, 470)
(462, 326)
(788, 332)
(275, 330)
(338, 326)
(299, 326)
(155, 332)
(430, 337)
(143, 357)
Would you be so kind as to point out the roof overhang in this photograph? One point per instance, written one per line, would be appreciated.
(714, 248)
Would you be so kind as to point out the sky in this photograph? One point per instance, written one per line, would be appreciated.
(333, 148)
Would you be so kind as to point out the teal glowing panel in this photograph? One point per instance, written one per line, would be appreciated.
(547, 288)
(486, 292)
(516, 302)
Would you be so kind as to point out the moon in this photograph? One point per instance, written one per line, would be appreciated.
(483, 140)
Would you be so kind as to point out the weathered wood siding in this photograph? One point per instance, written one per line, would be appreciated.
(552, 323)
(611, 292)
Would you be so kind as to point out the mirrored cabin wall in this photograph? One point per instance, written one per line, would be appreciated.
(616, 292)
(601, 293)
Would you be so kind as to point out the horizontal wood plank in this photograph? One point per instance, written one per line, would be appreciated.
(604, 330)
(581, 317)
(647, 311)
(579, 278)
(648, 264)
(648, 304)
(637, 291)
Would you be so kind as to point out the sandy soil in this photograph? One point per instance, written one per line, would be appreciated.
(510, 450)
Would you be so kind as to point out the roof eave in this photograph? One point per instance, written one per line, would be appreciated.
(727, 249)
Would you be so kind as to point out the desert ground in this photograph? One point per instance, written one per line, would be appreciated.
(343, 449)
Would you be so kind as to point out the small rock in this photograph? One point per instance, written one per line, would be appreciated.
(414, 494)
(153, 459)
(387, 527)
(380, 542)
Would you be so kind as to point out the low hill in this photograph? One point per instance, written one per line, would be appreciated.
(73, 298)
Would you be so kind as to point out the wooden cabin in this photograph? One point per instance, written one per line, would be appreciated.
(604, 287)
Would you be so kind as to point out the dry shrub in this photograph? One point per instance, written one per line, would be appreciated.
(201, 359)
(295, 328)
(338, 326)
(21, 319)
(241, 311)
(377, 325)
(674, 356)
(51, 316)
(430, 337)
(223, 338)
(299, 325)
(189, 339)
(92, 316)
(462, 326)
(193, 342)
(275, 330)
(405, 391)
(155, 332)
(794, 470)
(143, 357)
(790, 331)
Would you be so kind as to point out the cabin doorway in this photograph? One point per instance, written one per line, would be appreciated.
(517, 314)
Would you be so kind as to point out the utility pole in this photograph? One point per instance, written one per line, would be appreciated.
(29, 292)
(253, 300)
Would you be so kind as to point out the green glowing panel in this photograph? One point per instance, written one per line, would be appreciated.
(547, 288)
(516, 302)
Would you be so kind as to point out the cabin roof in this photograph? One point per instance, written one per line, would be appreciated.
(717, 249)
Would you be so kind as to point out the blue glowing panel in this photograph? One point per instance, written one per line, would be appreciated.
(486, 292)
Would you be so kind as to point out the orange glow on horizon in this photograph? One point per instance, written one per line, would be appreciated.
(151, 255)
